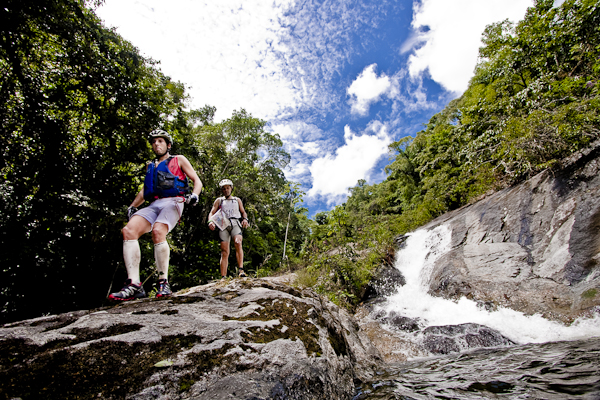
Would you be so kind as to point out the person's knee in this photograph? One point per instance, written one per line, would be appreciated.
(129, 233)
(135, 228)
(156, 236)
(159, 232)
(238, 240)
(125, 233)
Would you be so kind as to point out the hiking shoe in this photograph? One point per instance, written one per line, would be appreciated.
(130, 291)
(164, 289)
(242, 274)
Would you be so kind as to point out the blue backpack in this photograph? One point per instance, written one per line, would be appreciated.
(160, 182)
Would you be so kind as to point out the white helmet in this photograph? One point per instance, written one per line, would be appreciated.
(160, 133)
(226, 182)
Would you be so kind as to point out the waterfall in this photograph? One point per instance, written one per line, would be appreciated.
(415, 261)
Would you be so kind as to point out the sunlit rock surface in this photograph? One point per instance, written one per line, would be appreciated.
(243, 338)
(534, 247)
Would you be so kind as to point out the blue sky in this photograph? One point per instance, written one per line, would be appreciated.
(337, 80)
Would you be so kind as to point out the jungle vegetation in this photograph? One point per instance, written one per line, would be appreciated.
(77, 102)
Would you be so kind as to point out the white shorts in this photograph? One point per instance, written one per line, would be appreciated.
(167, 211)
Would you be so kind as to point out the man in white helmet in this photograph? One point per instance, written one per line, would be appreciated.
(232, 209)
(165, 187)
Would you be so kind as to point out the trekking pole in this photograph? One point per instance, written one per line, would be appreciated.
(155, 271)
(112, 280)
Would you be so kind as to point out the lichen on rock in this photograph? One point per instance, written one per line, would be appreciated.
(258, 337)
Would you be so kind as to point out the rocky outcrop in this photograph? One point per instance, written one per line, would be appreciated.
(243, 339)
(398, 338)
(534, 247)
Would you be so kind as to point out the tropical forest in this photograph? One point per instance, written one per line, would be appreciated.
(77, 102)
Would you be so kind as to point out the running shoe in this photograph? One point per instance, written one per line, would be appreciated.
(130, 291)
(164, 289)
(242, 274)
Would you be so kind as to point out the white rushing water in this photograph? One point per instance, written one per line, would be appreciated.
(416, 260)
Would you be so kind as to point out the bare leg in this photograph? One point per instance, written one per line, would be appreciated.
(224, 262)
(239, 252)
(159, 232)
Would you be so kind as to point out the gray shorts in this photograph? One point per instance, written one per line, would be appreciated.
(166, 211)
(234, 230)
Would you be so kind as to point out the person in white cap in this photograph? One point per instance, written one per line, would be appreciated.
(231, 209)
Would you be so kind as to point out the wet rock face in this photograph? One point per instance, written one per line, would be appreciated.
(398, 337)
(534, 247)
(457, 338)
(397, 321)
(242, 339)
(386, 281)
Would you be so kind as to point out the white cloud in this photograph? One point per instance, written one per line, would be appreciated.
(310, 148)
(299, 172)
(226, 50)
(272, 57)
(303, 142)
(413, 98)
(296, 131)
(285, 132)
(333, 174)
(321, 42)
(368, 89)
(451, 32)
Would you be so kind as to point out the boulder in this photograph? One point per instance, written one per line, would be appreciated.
(242, 338)
(399, 338)
(458, 338)
(386, 280)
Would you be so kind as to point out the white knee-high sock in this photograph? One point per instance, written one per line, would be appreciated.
(162, 252)
(132, 256)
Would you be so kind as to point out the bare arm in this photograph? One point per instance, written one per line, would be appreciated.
(214, 209)
(139, 199)
(245, 223)
(189, 171)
